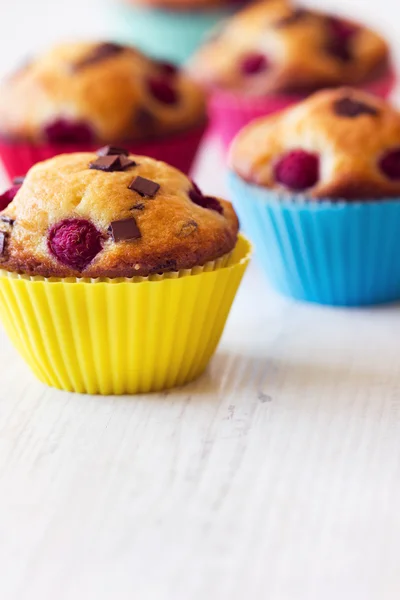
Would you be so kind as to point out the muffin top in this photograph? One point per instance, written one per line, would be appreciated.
(110, 214)
(342, 144)
(82, 92)
(275, 47)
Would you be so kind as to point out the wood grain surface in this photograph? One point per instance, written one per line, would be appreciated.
(276, 476)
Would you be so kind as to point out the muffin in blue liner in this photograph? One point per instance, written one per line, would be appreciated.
(338, 248)
(338, 253)
(166, 34)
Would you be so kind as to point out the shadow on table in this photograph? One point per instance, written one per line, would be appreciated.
(266, 376)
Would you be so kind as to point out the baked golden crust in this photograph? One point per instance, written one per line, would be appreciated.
(304, 49)
(105, 86)
(175, 232)
(348, 130)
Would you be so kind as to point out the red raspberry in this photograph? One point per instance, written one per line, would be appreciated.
(342, 29)
(162, 90)
(341, 34)
(196, 196)
(75, 243)
(168, 69)
(254, 63)
(67, 132)
(390, 164)
(8, 196)
(297, 170)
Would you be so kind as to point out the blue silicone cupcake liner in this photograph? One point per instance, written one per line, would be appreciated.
(170, 35)
(336, 253)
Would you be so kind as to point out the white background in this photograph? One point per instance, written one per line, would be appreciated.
(26, 25)
(276, 476)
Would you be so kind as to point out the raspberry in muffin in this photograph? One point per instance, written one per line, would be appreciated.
(338, 144)
(273, 54)
(79, 95)
(318, 187)
(111, 215)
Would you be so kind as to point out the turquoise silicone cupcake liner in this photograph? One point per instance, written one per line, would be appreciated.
(168, 35)
(336, 253)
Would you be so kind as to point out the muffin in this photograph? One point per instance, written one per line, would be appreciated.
(78, 96)
(317, 187)
(117, 272)
(272, 55)
(169, 29)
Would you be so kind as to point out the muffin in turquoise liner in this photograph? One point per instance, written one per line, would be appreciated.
(166, 34)
(317, 189)
(272, 55)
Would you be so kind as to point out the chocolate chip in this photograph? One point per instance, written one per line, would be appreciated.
(112, 163)
(106, 163)
(19, 180)
(126, 163)
(144, 187)
(3, 237)
(101, 52)
(297, 15)
(139, 206)
(126, 229)
(8, 220)
(347, 107)
(112, 151)
(188, 229)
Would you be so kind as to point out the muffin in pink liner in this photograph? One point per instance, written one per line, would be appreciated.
(179, 148)
(272, 55)
(229, 113)
(79, 96)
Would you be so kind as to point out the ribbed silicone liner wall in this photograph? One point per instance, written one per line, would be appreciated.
(121, 337)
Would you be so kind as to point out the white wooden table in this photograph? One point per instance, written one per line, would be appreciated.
(276, 476)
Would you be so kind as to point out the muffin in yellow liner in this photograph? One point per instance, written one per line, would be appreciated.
(116, 335)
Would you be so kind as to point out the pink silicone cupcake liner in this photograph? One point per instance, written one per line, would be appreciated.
(178, 150)
(229, 112)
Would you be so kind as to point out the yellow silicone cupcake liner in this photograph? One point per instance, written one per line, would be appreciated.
(121, 336)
